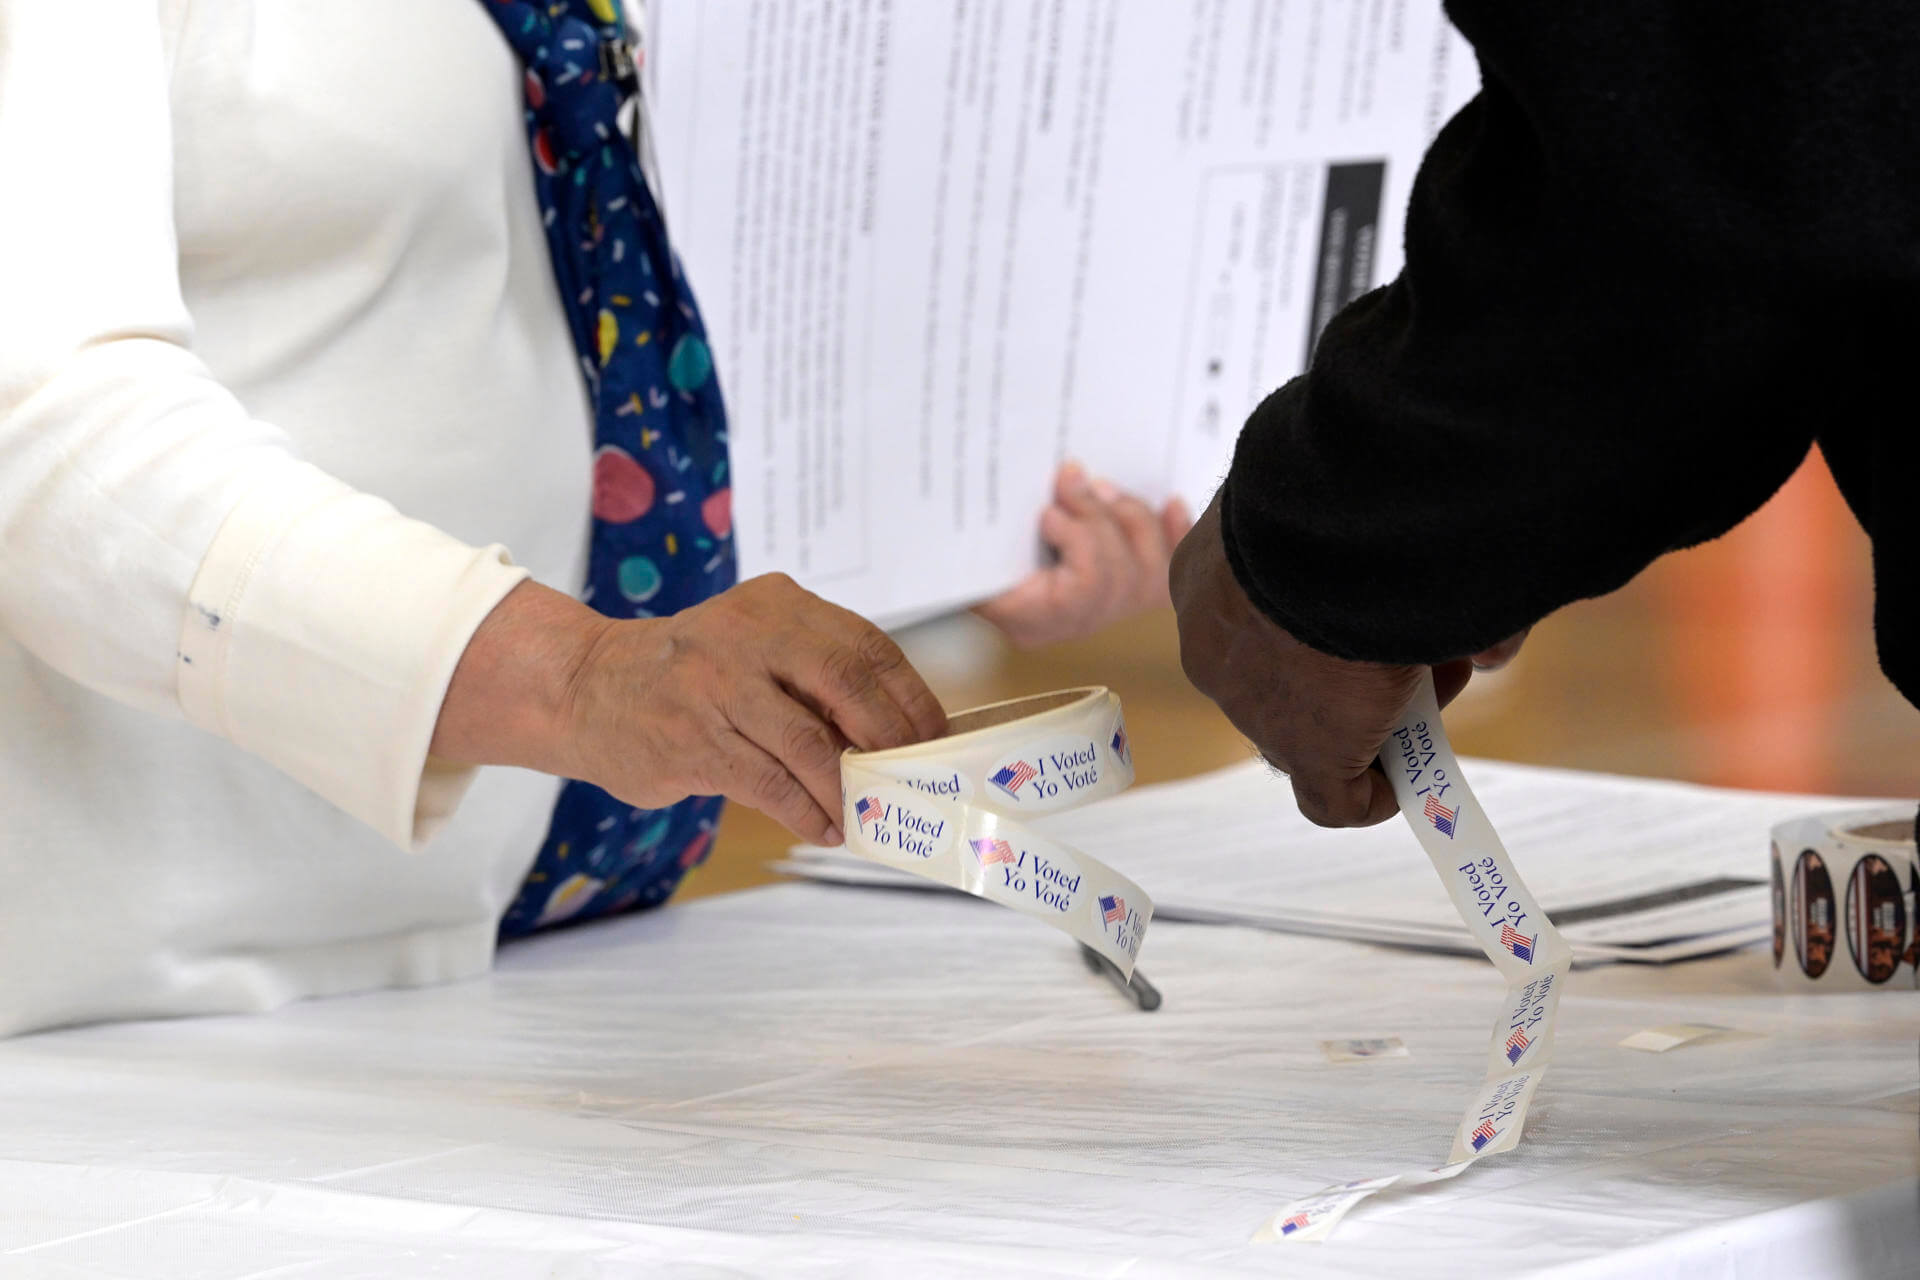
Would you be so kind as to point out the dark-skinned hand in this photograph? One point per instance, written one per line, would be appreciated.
(1316, 718)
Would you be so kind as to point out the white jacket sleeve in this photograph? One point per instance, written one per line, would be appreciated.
(158, 544)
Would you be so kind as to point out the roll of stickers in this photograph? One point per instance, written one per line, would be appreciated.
(953, 810)
(1844, 900)
(1502, 916)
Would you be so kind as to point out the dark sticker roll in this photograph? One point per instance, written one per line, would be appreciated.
(1812, 914)
(1779, 909)
(1876, 918)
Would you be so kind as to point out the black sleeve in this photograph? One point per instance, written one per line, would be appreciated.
(1633, 266)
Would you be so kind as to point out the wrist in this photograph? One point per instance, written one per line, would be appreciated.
(515, 696)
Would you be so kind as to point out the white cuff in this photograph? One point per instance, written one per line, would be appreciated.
(321, 632)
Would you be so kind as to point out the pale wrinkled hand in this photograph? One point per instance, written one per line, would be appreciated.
(751, 695)
(1112, 552)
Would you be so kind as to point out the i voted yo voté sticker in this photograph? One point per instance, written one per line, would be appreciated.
(1412, 749)
(1121, 920)
(899, 824)
(1493, 1122)
(1022, 870)
(1048, 773)
(1433, 800)
(1032, 874)
(1523, 1033)
(930, 779)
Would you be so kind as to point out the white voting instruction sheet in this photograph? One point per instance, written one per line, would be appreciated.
(941, 248)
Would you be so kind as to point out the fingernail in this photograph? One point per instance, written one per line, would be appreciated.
(1073, 477)
(834, 837)
(1105, 491)
(1181, 512)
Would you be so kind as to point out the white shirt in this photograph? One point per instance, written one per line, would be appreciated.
(282, 367)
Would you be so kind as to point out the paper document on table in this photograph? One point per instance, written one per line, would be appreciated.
(942, 248)
(1639, 870)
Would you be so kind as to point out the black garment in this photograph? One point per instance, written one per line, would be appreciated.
(1668, 247)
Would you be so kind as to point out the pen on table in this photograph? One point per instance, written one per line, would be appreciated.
(1137, 988)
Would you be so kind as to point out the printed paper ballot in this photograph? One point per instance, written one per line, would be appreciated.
(943, 247)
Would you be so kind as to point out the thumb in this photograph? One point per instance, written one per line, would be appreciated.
(1449, 678)
(1359, 801)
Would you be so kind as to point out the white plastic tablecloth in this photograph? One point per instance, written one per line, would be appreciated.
(817, 1081)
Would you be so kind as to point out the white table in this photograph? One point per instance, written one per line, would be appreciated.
(817, 1081)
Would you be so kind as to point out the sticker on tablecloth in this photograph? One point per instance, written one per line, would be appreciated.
(1362, 1049)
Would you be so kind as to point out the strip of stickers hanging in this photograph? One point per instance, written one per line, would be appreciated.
(1510, 927)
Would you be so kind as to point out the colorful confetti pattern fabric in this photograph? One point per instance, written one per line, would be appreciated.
(662, 502)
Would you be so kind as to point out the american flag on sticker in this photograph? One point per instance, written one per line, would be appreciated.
(1483, 1135)
(1440, 816)
(992, 851)
(1517, 1044)
(1120, 742)
(1297, 1222)
(1517, 942)
(866, 809)
(1113, 907)
(1013, 777)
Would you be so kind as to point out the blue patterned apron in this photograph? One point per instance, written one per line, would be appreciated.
(662, 505)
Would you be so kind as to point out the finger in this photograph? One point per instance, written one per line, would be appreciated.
(1073, 490)
(1093, 555)
(1022, 612)
(869, 668)
(832, 675)
(905, 685)
(1175, 519)
(1149, 542)
(1449, 678)
(1105, 581)
(1046, 605)
(1141, 528)
(805, 745)
(1328, 800)
(856, 674)
(1075, 538)
(1151, 551)
(1501, 654)
(1383, 804)
(756, 779)
(1107, 565)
